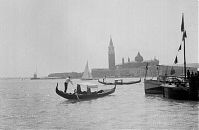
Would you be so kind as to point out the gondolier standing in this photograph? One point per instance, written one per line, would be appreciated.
(66, 83)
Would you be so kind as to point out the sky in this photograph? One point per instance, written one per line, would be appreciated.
(62, 35)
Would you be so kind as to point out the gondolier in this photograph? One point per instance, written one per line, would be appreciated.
(66, 83)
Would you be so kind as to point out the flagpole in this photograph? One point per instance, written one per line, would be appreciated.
(184, 61)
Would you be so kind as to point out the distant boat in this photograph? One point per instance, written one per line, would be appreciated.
(119, 82)
(87, 74)
(35, 75)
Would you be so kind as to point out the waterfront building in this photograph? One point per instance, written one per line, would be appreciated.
(136, 68)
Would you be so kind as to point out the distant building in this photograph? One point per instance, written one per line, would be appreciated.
(135, 68)
(110, 71)
(137, 63)
(65, 75)
(111, 55)
(138, 58)
(103, 72)
(130, 68)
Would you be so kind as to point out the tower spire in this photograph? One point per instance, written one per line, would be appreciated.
(111, 55)
(111, 41)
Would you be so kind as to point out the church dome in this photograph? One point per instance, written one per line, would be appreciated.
(138, 58)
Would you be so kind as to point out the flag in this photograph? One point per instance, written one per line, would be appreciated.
(172, 71)
(179, 48)
(182, 24)
(147, 66)
(184, 35)
(176, 60)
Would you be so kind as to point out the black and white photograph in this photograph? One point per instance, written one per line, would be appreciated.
(99, 65)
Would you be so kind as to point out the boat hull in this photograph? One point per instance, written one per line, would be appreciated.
(152, 87)
(179, 92)
(173, 92)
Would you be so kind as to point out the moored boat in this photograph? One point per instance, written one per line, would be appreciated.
(182, 90)
(152, 86)
(187, 87)
(85, 95)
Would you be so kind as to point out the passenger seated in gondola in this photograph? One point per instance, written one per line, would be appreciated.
(188, 74)
(88, 90)
(79, 89)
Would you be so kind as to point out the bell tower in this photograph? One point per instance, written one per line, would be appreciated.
(111, 55)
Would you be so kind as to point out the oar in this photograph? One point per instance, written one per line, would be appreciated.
(77, 96)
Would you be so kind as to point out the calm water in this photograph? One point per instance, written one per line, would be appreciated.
(33, 104)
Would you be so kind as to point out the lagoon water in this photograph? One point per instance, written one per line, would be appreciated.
(33, 104)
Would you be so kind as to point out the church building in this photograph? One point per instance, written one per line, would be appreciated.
(130, 68)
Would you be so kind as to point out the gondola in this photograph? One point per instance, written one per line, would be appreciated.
(119, 82)
(85, 95)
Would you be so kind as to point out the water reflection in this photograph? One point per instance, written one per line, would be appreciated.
(69, 102)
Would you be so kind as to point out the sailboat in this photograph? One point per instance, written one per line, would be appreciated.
(185, 88)
(87, 74)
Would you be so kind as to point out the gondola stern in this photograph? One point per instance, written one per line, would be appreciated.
(56, 89)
